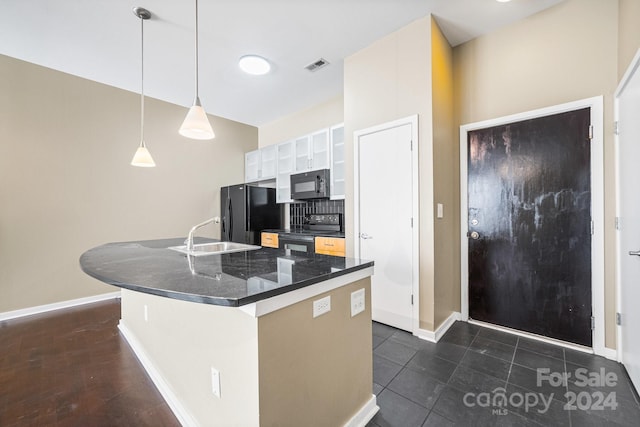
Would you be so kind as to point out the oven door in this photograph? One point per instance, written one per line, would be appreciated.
(297, 242)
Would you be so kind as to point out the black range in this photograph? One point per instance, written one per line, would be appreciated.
(302, 239)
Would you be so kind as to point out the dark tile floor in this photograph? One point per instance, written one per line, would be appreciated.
(459, 381)
(72, 368)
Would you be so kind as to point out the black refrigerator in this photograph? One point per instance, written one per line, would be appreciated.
(246, 210)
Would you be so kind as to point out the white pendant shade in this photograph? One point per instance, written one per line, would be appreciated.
(143, 158)
(196, 125)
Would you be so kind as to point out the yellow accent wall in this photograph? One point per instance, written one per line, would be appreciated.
(446, 181)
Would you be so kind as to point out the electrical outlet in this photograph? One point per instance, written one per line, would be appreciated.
(357, 302)
(322, 306)
(215, 382)
(146, 313)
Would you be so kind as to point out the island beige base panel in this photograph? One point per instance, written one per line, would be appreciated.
(184, 340)
(316, 371)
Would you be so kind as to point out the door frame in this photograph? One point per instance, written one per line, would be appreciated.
(415, 244)
(597, 211)
(634, 67)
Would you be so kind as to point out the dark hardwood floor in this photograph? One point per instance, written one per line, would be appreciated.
(72, 368)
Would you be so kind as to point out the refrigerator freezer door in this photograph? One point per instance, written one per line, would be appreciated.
(238, 213)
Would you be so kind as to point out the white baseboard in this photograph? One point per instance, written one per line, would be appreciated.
(167, 393)
(442, 329)
(609, 353)
(365, 414)
(56, 306)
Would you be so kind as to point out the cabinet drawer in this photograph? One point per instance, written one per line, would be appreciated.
(330, 246)
(270, 240)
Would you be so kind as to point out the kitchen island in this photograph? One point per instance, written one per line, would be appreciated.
(231, 339)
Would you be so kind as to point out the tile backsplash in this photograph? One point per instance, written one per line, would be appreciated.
(298, 210)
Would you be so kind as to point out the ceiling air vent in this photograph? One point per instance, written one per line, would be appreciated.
(317, 64)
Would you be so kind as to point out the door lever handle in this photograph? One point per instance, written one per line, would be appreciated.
(365, 236)
(636, 253)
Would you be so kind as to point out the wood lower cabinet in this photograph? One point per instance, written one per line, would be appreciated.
(330, 246)
(269, 240)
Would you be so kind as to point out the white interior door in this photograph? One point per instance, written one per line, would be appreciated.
(385, 233)
(628, 105)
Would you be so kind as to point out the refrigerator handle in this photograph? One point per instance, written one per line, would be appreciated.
(230, 221)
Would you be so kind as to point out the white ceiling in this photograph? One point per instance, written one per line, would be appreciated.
(100, 40)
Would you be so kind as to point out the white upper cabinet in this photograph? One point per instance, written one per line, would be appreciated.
(320, 151)
(268, 162)
(312, 151)
(252, 166)
(260, 165)
(302, 154)
(337, 162)
(286, 161)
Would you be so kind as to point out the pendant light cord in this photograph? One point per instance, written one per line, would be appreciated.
(142, 81)
(196, 49)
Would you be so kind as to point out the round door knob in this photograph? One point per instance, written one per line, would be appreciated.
(475, 235)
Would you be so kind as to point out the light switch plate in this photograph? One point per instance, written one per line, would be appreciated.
(357, 302)
(440, 211)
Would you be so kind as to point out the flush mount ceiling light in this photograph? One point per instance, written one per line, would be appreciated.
(196, 125)
(254, 64)
(142, 157)
(503, 1)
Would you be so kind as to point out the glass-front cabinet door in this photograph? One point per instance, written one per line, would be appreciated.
(268, 162)
(320, 150)
(302, 154)
(252, 166)
(337, 162)
(286, 160)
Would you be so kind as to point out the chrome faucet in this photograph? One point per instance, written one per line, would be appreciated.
(189, 241)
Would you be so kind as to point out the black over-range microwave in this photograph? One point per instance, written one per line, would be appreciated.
(310, 185)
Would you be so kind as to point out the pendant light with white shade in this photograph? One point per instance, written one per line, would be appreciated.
(196, 125)
(142, 157)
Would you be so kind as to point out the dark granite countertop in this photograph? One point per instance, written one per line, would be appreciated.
(232, 279)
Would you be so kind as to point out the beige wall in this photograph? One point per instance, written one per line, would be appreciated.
(629, 33)
(301, 382)
(389, 80)
(66, 184)
(321, 116)
(184, 340)
(285, 368)
(563, 54)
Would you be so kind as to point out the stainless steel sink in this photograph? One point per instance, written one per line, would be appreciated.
(214, 248)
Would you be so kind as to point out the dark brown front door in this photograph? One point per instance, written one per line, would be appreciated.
(529, 198)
